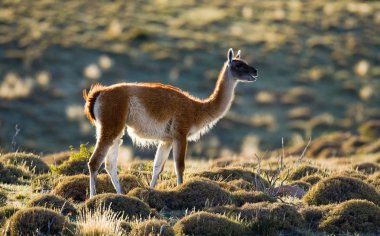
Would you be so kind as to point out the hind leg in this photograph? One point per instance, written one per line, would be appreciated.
(111, 163)
(162, 155)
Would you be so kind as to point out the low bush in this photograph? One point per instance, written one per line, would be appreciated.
(370, 129)
(351, 173)
(242, 197)
(367, 167)
(127, 206)
(6, 212)
(242, 184)
(152, 227)
(353, 216)
(3, 198)
(53, 202)
(38, 219)
(302, 184)
(374, 180)
(31, 161)
(338, 189)
(44, 182)
(55, 159)
(205, 223)
(154, 198)
(313, 215)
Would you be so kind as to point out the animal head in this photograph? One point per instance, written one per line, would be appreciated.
(240, 69)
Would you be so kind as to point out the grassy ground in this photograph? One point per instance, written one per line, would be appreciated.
(317, 61)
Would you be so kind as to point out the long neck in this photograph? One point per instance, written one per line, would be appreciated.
(220, 100)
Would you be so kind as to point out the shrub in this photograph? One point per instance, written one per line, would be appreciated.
(77, 163)
(375, 180)
(53, 202)
(204, 223)
(367, 167)
(370, 129)
(352, 174)
(167, 184)
(127, 206)
(313, 215)
(44, 182)
(265, 218)
(312, 179)
(30, 160)
(77, 187)
(242, 184)
(352, 216)
(154, 198)
(12, 174)
(239, 198)
(6, 212)
(302, 171)
(38, 219)
(152, 227)
(338, 189)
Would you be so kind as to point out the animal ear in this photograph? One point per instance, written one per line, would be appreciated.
(238, 55)
(230, 55)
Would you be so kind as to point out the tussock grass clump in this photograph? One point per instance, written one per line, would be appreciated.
(229, 174)
(265, 218)
(375, 180)
(56, 159)
(6, 212)
(302, 184)
(312, 179)
(196, 193)
(303, 171)
(77, 163)
(31, 161)
(38, 219)
(77, 187)
(367, 167)
(205, 223)
(242, 184)
(242, 197)
(152, 227)
(351, 173)
(44, 182)
(313, 215)
(142, 165)
(338, 189)
(352, 216)
(3, 198)
(12, 175)
(127, 206)
(370, 129)
(53, 202)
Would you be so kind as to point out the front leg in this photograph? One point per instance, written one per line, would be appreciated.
(162, 155)
(179, 154)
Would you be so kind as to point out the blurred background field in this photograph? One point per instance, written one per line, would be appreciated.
(318, 63)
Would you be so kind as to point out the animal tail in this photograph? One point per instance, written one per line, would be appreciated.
(90, 99)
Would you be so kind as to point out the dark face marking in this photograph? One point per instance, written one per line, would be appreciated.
(242, 71)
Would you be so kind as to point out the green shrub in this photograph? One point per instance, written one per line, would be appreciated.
(76, 187)
(265, 218)
(204, 223)
(229, 174)
(239, 198)
(302, 171)
(313, 215)
(37, 219)
(367, 167)
(127, 206)
(53, 202)
(152, 227)
(338, 189)
(354, 216)
(6, 212)
(312, 179)
(77, 163)
(12, 175)
(30, 160)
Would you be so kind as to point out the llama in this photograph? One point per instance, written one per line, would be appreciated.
(157, 114)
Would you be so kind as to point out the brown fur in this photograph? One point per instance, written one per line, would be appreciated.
(90, 99)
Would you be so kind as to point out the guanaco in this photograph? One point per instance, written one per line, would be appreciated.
(157, 114)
